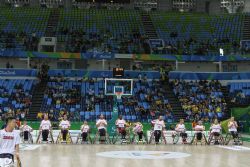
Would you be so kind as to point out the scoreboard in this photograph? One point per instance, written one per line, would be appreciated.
(118, 72)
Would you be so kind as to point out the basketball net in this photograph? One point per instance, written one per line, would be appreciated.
(118, 95)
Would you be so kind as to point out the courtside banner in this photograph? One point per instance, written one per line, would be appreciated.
(18, 72)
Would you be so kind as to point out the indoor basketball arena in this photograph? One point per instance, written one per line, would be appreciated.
(117, 83)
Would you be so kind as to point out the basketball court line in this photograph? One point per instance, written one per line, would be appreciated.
(28, 147)
(235, 148)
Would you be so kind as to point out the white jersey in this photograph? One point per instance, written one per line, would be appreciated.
(199, 128)
(45, 125)
(85, 128)
(159, 125)
(64, 124)
(26, 128)
(232, 127)
(120, 123)
(137, 128)
(180, 128)
(8, 141)
(102, 123)
(215, 128)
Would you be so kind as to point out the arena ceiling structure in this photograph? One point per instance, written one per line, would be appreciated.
(207, 6)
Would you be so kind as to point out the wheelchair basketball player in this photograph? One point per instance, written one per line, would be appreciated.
(215, 133)
(158, 127)
(232, 131)
(121, 128)
(26, 130)
(9, 143)
(138, 132)
(45, 129)
(199, 133)
(101, 125)
(64, 126)
(180, 130)
(85, 130)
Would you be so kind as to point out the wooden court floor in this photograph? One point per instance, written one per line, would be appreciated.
(55, 155)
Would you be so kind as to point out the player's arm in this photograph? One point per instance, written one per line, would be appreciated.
(21, 128)
(163, 126)
(230, 124)
(69, 124)
(40, 128)
(211, 127)
(105, 123)
(50, 126)
(31, 129)
(235, 124)
(98, 123)
(60, 125)
(17, 151)
(176, 128)
(17, 142)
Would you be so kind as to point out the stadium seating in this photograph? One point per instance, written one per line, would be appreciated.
(201, 99)
(111, 27)
(214, 31)
(86, 101)
(83, 100)
(148, 102)
(122, 31)
(239, 92)
(98, 21)
(19, 24)
(16, 94)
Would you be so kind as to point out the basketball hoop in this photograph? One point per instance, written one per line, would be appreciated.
(118, 95)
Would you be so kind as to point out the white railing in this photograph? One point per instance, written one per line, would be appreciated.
(146, 4)
(184, 5)
(52, 3)
(18, 3)
(232, 5)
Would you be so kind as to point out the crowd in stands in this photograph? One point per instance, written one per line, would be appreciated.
(14, 101)
(97, 30)
(148, 102)
(239, 93)
(193, 46)
(135, 42)
(80, 41)
(200, 99)
(18, 41)
(240, 98)
(64, 96)
(86, 99)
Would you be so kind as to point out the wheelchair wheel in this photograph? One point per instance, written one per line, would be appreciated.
(135, 139)
(212, 140)
(196, 141)
(80, 141)
(162, 139)
(101, 140)
(59, 139)
(230, 141)
(176, 138)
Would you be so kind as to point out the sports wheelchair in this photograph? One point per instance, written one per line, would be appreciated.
(26, 137)
(59, 139)
(233, 138)
(50, 138)
(215, 138)
(199, 137)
